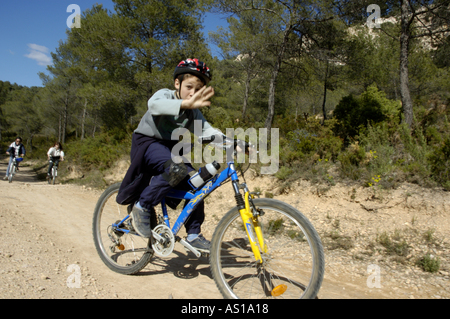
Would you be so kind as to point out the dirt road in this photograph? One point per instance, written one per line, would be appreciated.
(46, 244)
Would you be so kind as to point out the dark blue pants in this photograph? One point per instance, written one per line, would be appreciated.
(156, 156)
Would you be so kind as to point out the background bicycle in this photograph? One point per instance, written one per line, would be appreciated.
(53, 172)
(12, 169)
(55, 155)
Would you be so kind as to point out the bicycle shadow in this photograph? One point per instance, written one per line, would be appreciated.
(189, 267)
(185, 266)
(182, 266)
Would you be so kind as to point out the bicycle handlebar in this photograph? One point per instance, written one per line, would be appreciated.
(226, 142)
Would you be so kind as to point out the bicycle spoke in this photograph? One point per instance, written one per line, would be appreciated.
(121, 251)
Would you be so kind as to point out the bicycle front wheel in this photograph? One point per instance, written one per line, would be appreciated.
(292, 267)
(12, 171)
(119, 247)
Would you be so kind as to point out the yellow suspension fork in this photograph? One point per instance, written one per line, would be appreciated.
(253, 229)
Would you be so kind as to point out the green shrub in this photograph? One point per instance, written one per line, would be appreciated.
(275, 226)
(283, 173)
(313, 139)
(351, 161)
(302, 141)
(440, 164)
(394, 247)
(355, 113)
(100, 152)
(429, 263)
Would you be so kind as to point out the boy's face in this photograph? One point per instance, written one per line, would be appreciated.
(189, 87)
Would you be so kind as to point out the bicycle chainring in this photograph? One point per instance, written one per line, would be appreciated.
(166, 248)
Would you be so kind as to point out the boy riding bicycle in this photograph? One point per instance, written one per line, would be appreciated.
(16, 149)
(153, 173)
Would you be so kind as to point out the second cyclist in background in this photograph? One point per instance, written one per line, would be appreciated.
(55, 154)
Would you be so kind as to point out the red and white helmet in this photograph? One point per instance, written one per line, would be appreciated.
(195, 67)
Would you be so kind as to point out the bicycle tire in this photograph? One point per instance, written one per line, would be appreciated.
(290, 237)
(136, 251)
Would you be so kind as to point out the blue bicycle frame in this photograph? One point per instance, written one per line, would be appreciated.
(194, 198)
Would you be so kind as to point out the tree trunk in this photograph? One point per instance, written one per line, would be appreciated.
(95, 126)
(404, 51)
(324, 111)
(273, 80)
(246, 94)
(271, 111)
(64, 127)
(31, 142)
(59, 128)
(83, 119)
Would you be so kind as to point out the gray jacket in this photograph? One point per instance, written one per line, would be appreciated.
(164, 115)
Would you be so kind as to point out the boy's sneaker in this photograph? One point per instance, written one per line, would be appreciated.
(143, 221)
(5, 178)
(201, 243)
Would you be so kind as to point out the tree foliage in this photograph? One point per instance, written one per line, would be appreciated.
(313, 69)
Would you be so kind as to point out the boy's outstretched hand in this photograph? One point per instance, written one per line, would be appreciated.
(199, 99)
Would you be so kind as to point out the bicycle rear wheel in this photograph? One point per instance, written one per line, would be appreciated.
(293, 266)
(125, 253)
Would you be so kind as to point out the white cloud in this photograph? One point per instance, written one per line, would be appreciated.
(39, 53)
(11, 52)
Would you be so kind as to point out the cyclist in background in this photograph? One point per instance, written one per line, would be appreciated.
(16, 149)
(55, 154)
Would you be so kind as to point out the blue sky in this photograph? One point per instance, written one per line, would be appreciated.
(31, 29)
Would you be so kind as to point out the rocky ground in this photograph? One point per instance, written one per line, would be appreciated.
(47, 251)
